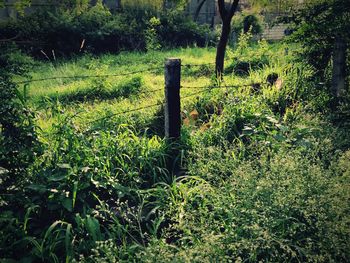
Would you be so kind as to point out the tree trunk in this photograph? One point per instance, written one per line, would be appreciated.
(339, 67)
(226, 17)
(221, 48)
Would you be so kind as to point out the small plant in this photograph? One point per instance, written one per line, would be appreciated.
(248, 57)
(152, 39)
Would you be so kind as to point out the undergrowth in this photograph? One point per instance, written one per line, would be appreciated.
(260, 173)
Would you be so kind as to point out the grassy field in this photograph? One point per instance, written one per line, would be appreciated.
(265, 173)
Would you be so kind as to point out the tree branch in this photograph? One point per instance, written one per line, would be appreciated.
(10, 39)
(233, 8)
(222, 9)
(199, 7)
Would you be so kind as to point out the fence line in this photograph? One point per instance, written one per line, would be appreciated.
(203, 89)
(172, 93)
(223, 87)
(107, 75)
(90, 76)
(161, 103)
(126, 112)
(198, 65)
(150, 91)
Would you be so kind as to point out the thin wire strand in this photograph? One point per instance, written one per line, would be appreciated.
(107, 75)
(126, 112)
(221, 87)
(150, 91)
(90, 76)
(161, 103)
(205, 64)
(192, 94)
(197, 65)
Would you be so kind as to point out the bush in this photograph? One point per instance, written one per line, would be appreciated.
(67, 31)
(18, 139)
(243, 23)
(316, 28)
(248, 56)
(179, 30)
(19, 144)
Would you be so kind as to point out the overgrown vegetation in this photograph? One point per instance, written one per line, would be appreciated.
(58, 31)
(267, 178)
(317, 28)
(18, 138)
(264, 175)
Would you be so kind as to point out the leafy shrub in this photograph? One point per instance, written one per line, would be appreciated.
(67, 198)
(316, 28)
(95, 29)
(19, 144)
(247, 57)
(152, 41)
(270, 209)
(182, 31)
(18, 138)
(251, 22)
(242, 23)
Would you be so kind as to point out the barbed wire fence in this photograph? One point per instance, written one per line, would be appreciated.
(171, 102)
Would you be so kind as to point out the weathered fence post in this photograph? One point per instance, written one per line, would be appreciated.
(172, 98)
(339, 67)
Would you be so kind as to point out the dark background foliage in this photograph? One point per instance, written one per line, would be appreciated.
(102, 31)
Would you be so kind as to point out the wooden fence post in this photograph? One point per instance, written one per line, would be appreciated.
(339, 67)
(172, 98)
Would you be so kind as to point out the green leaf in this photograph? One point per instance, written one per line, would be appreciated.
(68, 243)
(75, 190)
(247, 130)
(272, 119)
(64, 166)
(93, 227)
(67, 203)
(57, 178)
(37, 188)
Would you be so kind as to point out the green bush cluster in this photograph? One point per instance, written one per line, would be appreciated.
(247, 56)
(18, 134)
(316, 27)
(243, 23)
(262, 185)
(96, 29)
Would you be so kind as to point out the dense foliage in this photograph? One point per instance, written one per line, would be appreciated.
(18, 138)
(261, 172)
(266, 175)
(317, 26)
(95, 29)
(243, 22)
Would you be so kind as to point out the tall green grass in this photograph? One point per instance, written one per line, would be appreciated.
(264, 175)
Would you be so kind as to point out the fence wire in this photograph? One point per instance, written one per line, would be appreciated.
(197, 65)
(107, 75)
(126, 112)
(202, 90)
(150, 91)
(224, 87)
(90, 76)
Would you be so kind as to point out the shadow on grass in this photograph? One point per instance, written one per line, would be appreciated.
(97, 91)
